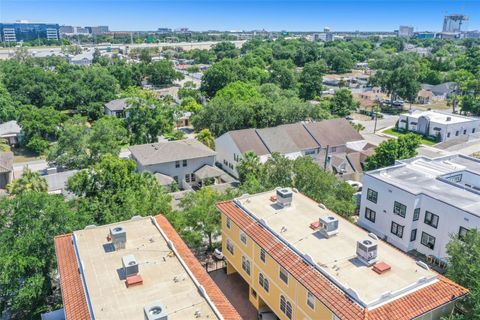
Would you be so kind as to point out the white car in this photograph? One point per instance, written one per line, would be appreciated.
(218, 254)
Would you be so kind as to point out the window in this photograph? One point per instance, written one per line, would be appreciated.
(230, 166)
(413, 235)
(416, 214)
(284, 275)
(462, 232)
(372, 195)
(397, 229)
(177, 164)
(263, 254)
(399, 209)
(184, 163)
(187, 177)
(243, 237)
(246, 265)
(309, 152)
(370, 214)
(230, 247)
(428, 240)
(286, 307)
(333, 149)
(310, 300)
(456, 133)
(175, 178)
(225, 162)
(263, 282)
(229, 223)
(254, 293)
(193, 177)
(431, 219)
(473, 130)
(437, 129)
(465, 131)
(448, 135)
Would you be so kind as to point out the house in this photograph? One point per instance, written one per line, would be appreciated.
(11, 132)
(303, 261)
(137, 269)
(6, 168)
(424, 96)
(419, 203)
(291, 140)
(185, 161)
(116, 108)
(57, 181)
(441, 91)
(443, 126)
(183, 119)
(82, 59)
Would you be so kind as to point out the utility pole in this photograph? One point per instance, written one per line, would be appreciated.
(326, 158)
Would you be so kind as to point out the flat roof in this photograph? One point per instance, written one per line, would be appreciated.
(440, 117)
(167, 278)
(336, 256)
(422, 175)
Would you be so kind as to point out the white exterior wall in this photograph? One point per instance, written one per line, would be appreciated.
(170, 170)
(226, 151)
(449, 222)
(445, 128)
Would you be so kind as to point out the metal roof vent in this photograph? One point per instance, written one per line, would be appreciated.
(328, 226)
(118, 236)
(155, 311)
(367, 251)
(284, 197)
(130, 265)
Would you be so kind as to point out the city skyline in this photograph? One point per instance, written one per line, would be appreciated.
(148, 15)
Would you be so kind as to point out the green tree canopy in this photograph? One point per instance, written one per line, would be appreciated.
(311, 80)
(342, 103)
(387, 152)
(29, 181)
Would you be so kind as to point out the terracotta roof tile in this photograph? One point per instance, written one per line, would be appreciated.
(407, 307)
(73, 294)
(221, 302)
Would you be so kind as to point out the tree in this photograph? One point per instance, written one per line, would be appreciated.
(27, 259)
(112, 191)
(464, 269)
(342, 103)
(225, 49)
(162, 73)
(470, 104)
(282, 74)
(249, 165)
(338, 60)
(311, 80)
(29, 181)
(106, 136)
(277, 171)
(207, 138)
(8, 110)
(393, 149)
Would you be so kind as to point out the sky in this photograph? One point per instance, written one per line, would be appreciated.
(272, 15)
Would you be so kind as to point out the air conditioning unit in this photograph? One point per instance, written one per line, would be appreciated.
(155, 311)
(328, 226)
(284, 197)
(119, 237)
(367, 251)
(130, 265)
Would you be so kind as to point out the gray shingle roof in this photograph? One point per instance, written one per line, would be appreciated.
(334, 132)
(207, 171)
(58, 181)
(154, 153)
(248, 140)
(163, 179)
(277, 140)
(440, 89)
(116, 105)
(10, 127)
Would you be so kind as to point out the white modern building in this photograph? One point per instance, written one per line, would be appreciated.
(435, 123)
(420, 203)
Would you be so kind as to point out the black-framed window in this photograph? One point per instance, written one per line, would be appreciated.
(230, 247)
(263, 254)
(465, 131)
(399, 209)
(263, 282)
(397, 229)
(311, 300)
(372, 195)
(243, 237)
(184, 163)
(462, 232)
(428, 240)
(286, 307)
(416, 214)
(229, 223)
(177, 164)
(283, 275)
(246, 265)
(370, 215)
(431, 219)
(413, 235)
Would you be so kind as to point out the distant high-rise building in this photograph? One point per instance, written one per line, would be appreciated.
(25, 31)
(405, 31)
(98, 29)
(164, 30)
(453, 22)
(66, 29)
(82, 30)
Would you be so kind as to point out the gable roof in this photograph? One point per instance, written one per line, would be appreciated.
(10, 127)
(300, 136)
(333, 132)
(248, 140)
(440, 89)
(276, 139)
(116, 105)
(162, 152)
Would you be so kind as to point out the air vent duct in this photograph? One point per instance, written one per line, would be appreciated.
(130, 265)
(328, 226)
(119, 237)
(367, 251)
(284, 197)
(155, 311)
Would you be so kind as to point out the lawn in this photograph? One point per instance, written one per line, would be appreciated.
(395, 133)
(24, 155)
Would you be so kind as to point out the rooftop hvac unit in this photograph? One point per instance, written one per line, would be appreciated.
(119, 237)
(155, 311)
(284, 197)
(367, 251)
(130, 265)
(328, 226)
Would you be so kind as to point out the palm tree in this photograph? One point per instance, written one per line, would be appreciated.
(249, 165)
(30, 181)
(4, 145)
(207, 138)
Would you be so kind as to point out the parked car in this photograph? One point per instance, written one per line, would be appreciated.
(264, 313)
(217, 254)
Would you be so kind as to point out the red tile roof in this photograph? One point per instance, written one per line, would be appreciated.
(407, 307)
(214, 293)
(73, 295)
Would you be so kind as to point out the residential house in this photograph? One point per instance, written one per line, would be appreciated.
(185, 161)
(444, 126)
(116, 108)
(441, 91)
(420, 203)
(11, 132)
(424, 96)
(138, 269)
(291, 140)
(82, 59)
(6, 168)
(57, 181)
(303, 261)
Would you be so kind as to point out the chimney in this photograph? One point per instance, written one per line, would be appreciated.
(119, 237)
(367, 251)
